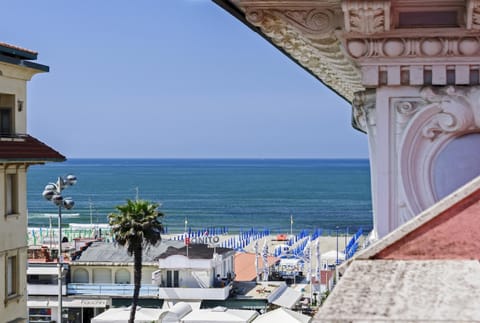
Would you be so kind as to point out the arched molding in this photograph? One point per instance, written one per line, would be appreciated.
(102, 276)
(122, 276)
(81, 276)
(446, 113)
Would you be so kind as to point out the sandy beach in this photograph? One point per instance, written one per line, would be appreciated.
(327, 243)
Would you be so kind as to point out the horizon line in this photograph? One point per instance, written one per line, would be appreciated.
(228, 158)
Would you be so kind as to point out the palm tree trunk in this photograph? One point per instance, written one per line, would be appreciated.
(137, 277)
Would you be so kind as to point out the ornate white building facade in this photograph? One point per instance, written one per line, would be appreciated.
(411, 71)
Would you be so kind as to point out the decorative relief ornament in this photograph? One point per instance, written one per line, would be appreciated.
(308, 36)
(363, 110)
(473, 14)
(413, 47)
(424, 128)
(366, 17)
(456, 114)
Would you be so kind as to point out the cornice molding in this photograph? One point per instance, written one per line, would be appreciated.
(404, 45)
(308, 34)
(351, 45)
(17, 72)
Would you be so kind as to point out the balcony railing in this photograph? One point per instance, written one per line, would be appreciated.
(44, 289)
(194, 293)
(110, 289)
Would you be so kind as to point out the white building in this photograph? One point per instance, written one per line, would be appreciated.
(18, 151)
(199, 273)
(104, 272)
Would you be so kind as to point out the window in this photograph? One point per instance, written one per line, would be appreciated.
(173, 278)
(10, 194)
(6, 121)
(12, 276)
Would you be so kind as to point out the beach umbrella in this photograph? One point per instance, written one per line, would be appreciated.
(265, 261)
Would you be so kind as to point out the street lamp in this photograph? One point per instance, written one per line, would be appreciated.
(53, 193)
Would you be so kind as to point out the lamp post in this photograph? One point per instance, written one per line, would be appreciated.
(53, 193)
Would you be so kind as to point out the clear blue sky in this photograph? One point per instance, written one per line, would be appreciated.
(170, 78)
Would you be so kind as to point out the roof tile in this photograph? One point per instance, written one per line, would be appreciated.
(27, 148)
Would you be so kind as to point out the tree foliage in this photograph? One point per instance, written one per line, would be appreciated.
(136, 225)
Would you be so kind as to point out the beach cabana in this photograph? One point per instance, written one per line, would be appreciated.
(121, 315)
(220, 314)
(283, 315)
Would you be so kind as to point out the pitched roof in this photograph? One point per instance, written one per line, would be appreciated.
(27, 148)
(406, 291)
(195, 251)
(419, 272)
(101, 252)
(19, 56)
(447, 230)
(17, 51)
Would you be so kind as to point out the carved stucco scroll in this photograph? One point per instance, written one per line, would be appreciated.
(307, 34)
(368, 17)
(473, 14)
(426, 125)
(363, 110)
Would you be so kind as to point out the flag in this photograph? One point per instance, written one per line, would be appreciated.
(291, 219)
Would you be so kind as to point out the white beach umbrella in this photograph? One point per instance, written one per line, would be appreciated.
(265, 261)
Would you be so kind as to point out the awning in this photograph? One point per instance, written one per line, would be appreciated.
(288, 298)
(42, 270)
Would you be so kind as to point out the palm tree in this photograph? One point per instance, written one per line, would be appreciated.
(136, 225)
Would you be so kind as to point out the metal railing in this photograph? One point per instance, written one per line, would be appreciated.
(110, 289)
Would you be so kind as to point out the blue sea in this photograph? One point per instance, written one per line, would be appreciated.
(234, 193)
